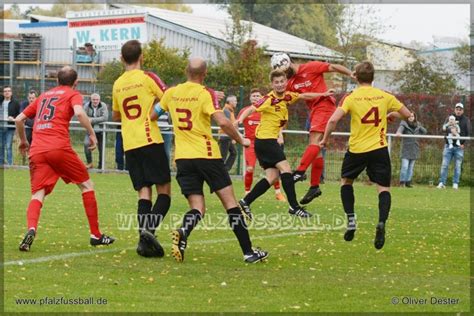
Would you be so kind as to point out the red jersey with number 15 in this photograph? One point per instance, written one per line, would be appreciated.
(52, 111)
(250, 123)
(310, 78)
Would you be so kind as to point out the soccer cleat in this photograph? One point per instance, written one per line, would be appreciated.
(280, 197)
(299, 211)
(28, 240)
(408, 184)
(245, 210)
(179, 244)
(312, 193)
(148, 246)
(455, 186)
(379, 235)
(299, 176)
(256, 256)
(351, 229)
(441, 186)
(103, 240)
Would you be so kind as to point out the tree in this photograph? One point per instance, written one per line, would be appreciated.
(242, 63)
(167, 63)
(462, 58)
(356, 25)
(306, 20)
(169, 6)
(425, 76)
(13, 13)
(59, 9)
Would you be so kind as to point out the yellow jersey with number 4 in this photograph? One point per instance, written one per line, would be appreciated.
(190, 106)
(368, 107)
(133, 95)
(274, 113)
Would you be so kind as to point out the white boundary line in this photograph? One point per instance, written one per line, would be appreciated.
(95, 252)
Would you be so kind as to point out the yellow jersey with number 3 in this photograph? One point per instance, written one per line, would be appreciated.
(134, 94)
(368, 107)
(190, 106)
(274, 113)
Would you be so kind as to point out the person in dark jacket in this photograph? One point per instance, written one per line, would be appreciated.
(10, 108)
(32, 95)
(98, 113)
(456, 151)
(410, 149)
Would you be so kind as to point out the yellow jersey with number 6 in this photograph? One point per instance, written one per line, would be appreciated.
(368, 107)
(133, 95)
(190, 106)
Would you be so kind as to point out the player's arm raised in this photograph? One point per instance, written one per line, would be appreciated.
(251, 109)
(341, 69)
(229, 129)
(314, 95)
(85, 122)
(331, 126)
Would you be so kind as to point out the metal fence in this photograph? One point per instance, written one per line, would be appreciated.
(426, 170)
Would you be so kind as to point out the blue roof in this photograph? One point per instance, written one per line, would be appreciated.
(43, 24)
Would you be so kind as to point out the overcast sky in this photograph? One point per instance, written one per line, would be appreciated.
(409, 22)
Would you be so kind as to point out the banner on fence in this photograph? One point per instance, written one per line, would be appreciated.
(106, 30)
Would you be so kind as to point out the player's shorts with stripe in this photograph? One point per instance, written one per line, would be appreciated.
(148, 165)
(250, 155)
(191, 174)
(320, 115)
(46, 168)
(377, 163)
(269, 152)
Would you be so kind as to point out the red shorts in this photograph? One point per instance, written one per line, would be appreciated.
(250, 156)
(320, 116)
(46, 169)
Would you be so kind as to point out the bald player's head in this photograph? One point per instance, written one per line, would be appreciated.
(196, 68)
(67, 76)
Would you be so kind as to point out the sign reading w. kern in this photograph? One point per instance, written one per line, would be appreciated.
(107, 33)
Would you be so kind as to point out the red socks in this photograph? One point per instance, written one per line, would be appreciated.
(317, 171)
(309, 155)
(33, 213)
(276, 185)
(90, 205)
(248, 179)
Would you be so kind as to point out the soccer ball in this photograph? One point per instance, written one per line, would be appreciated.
(280, 61)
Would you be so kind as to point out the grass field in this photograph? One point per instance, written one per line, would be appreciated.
(426, 255)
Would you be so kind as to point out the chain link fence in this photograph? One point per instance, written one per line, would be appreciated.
(426, 170)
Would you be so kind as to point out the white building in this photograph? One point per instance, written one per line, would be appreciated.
(108, 29)
(387, 59)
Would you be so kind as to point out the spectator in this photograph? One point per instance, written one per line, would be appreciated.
(32, 95)
(455, 152)
(226, 145)
(453, 130)
(410, 150)
(166, 132)
(9, 111)
(98, 113)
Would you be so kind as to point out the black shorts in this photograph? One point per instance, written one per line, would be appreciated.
(268, 152)
(148, 166)
(192, 173)
(377, 163)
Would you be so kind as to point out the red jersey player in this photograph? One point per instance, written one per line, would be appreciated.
(51, 154)
(303, 78)
(250, 125)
